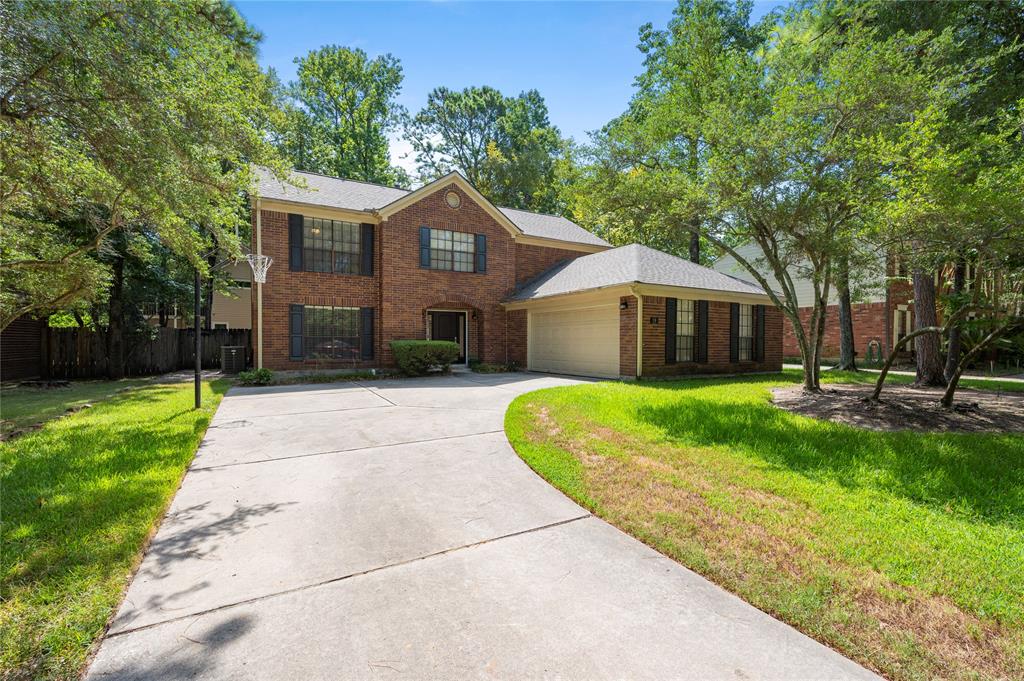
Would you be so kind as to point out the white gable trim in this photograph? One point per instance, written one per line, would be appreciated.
(452, 178)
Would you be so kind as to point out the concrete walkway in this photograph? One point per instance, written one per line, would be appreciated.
(388, 530)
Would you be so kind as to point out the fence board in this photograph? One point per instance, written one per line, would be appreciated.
(80, 353)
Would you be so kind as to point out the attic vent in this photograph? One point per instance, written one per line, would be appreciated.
(453, 199)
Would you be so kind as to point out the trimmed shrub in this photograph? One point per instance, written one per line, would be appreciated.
(420, 357)
(256, 377)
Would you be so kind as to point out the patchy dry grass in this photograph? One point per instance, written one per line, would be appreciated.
(904, 551)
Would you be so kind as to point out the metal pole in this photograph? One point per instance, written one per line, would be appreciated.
(198, 341)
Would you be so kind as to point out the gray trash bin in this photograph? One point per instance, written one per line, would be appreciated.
(232, 358)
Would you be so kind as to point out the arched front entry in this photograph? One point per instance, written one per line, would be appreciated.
(456, 322)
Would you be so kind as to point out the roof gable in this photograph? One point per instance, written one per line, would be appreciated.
(452, 178)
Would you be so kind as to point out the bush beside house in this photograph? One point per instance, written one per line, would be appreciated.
(420, 357)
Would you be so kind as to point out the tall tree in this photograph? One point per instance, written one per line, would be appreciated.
(113, 114)
(505, 146)
(985, 53)
(338, 113)
(681, 64)
(782, 124)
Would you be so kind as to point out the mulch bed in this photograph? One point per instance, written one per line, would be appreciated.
(904, 407)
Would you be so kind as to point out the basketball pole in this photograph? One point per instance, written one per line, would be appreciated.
(198, 340)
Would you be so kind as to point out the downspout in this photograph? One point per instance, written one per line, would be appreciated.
(639, 331)
(259, 289)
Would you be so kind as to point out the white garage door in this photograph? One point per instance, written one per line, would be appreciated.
(582, 341)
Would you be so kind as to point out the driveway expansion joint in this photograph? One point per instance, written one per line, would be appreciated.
(351, 575)
(342, 451)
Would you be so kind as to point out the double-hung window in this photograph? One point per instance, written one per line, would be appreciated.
(444, 249)
(686, 329)
(745, 335)
(451, 250)
(331, 333)
(331, 246)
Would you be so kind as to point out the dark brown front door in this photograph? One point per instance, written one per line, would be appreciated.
(449, 326)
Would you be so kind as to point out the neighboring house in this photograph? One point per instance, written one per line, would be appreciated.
(358, 265)
(882, 309)
(231, 310)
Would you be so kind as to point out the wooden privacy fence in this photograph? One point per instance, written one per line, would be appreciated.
(79, 353)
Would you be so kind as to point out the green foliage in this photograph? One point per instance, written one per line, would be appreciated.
(338, 112)
(420, 357)
(833, 529)
(114, 116)
(81, 496)
(505, 146)
(262, 376)
(489, 368)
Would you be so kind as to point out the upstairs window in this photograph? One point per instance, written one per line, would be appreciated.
(444, 249)
(685, 330)
(331, 246)
(746, 333)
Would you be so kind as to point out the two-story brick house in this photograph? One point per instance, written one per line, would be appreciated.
(358, 265)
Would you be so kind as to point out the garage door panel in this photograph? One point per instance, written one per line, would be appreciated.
(582, 341)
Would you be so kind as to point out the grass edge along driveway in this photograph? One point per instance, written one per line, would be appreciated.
(904, 551)
(81, 497)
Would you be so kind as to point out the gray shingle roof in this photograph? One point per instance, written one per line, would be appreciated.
(333, 192)
(321, 190)
(626, 265)
(551, 227)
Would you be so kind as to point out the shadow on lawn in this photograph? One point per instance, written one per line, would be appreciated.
(85, 495)
(982, 474)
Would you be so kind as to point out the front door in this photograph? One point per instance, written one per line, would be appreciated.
(449, 326)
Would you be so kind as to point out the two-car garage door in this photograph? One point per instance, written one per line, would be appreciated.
(582, 341)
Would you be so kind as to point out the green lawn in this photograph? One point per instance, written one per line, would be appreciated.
(24, 407)
(904, 551)
(80, 498)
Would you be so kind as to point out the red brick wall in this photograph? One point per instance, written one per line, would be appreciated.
(532, 260)
(718, 342)
(407, 289)
(627, 336)
(284, 288)
(871, 322)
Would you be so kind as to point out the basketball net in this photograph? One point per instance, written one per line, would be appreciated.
(259, 264)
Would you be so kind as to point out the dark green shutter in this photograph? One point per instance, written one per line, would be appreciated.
(424, 247)
(481, 252)
(702, 332)
(758, 333)
(734, 332)
(294, 242)
(295, 318)
(366, 332)
(670, 330)
(366, 246)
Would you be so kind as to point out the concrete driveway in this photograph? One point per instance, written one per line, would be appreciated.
(388, 530)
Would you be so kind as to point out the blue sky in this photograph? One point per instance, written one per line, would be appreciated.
(581, 56)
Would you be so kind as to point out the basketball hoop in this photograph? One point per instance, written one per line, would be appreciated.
(259, 264)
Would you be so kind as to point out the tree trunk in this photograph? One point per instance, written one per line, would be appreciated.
(847, 352)
(695, 246)
(926, 345)
(115, 322)
(953, 354)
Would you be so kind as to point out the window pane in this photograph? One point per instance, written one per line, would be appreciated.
(685, 330)
(746, 333)
(332, 333)
(451, 250)
(331, 246)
